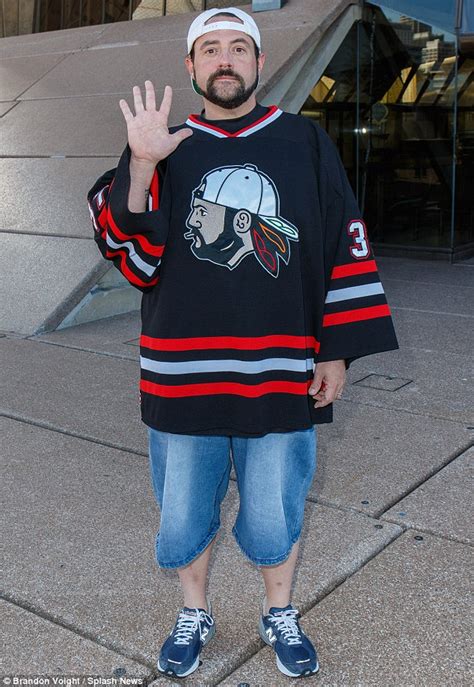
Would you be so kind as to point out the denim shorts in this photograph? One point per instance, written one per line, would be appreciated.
(190, 476)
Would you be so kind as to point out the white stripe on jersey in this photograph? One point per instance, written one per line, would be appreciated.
(266, 121)
(354, 292)
(136, 259)
(228, 365)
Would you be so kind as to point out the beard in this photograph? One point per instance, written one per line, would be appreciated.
(237, 97)
(224, 247)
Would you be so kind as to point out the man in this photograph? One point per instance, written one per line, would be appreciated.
(240, 228)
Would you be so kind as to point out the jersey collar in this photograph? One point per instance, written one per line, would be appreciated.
(273, 113)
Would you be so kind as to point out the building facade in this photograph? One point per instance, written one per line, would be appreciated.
(396, 94)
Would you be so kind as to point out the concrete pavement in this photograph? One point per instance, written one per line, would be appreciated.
(383, 569)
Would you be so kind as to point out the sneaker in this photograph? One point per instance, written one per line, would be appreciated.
(194, 628)
(295, 654)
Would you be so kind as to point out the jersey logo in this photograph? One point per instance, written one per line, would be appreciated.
(235, 212)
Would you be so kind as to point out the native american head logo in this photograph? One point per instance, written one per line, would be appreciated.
(235, 211)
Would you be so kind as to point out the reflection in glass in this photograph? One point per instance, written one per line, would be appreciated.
(398, 152)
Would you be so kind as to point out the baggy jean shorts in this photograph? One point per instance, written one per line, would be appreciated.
(190, 476)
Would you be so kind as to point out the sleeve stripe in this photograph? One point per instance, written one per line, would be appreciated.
(336, 295)
(146, 246)
(127, 272)
(154, 191)
(140, 264)
(356, 315)
(354, 268)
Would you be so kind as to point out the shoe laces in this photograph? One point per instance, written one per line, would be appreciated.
(188, 623)
(287, 623)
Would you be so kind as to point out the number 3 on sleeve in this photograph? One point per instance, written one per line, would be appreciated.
(360, 243)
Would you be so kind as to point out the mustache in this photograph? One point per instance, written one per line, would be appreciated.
(224, 72)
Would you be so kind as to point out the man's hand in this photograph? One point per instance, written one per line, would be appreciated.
(328, 382)
(148, 135)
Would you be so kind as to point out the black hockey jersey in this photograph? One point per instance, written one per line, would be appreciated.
(254, 263)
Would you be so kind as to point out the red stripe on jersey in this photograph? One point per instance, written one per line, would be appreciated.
(102, 221)
(273, 108)
(142, 240)
(240, 342)
(353, 268)
(356, 315)
(154, 191)
(195, 118)
(126, 271)
(233, 388)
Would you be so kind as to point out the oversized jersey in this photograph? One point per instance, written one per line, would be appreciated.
(254, 263)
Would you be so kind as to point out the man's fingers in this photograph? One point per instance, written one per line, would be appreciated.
(150, 98)
(329, 395)
(137, 99)
(317, 384)
(125, 110)
(181, 135)
(166, 102)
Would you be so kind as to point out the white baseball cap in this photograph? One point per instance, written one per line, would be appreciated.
(199, 26)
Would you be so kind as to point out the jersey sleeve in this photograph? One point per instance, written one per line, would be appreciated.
(356, 318)
(133, 241)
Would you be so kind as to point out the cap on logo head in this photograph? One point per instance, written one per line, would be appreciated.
(199, 26)
(247, 188)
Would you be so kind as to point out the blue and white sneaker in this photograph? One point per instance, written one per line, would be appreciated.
(295, 654)
(194, 628)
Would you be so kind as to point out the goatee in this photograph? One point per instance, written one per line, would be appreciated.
(238, 97)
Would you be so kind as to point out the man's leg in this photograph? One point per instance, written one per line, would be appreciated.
(190, 476)
(278, 580)
(193, 578)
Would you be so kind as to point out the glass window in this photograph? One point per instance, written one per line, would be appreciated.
(441, 13)
(395, 127)
(464, 227)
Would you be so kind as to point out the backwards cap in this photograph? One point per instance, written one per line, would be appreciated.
(199, 26)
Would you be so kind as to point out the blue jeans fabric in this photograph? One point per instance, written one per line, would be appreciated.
(190, 476)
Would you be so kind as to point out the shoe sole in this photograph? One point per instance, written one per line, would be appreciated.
(282, 668)
(195, 665)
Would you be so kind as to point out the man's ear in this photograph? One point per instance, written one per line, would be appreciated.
(242, 221)
(189, 65)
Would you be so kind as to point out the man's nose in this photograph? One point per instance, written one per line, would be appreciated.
(225, 59)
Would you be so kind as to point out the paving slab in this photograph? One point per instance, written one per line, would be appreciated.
(5, 107)
(421, 296)
(17, 74)
(432, 332)
(370, 457)
(95, 396)
(83, 126)
(443, 504)
(32, 645)
(40, 281)
(48, 206)
(403, 619)
(73, 488)
(433, 392)
(425, 271)
(118, 335)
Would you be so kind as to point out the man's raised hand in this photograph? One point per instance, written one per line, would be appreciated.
(148, 135)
